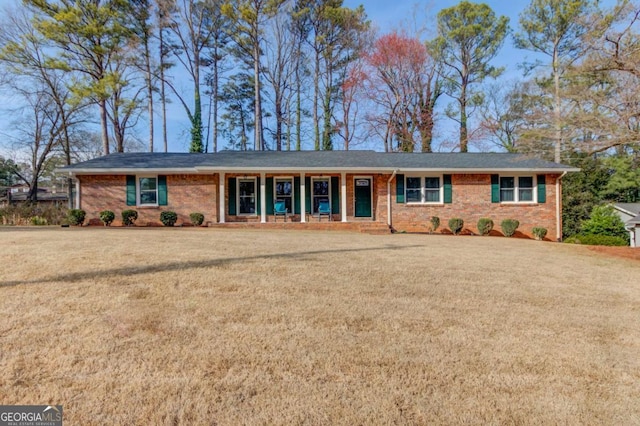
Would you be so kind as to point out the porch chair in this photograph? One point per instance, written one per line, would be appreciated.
(280, 209)
(324, 209)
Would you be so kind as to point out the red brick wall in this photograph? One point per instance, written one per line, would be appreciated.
(472, 201)
(198, 193)
(186, 194)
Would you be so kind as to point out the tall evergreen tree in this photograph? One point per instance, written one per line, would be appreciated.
(470, 35)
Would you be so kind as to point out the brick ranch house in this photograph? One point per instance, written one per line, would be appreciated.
(398, 191)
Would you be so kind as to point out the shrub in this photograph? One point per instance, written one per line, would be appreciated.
(435, 223)
(509, 227)
(21, 214)
(539, 233)
(129, 217)
(38, 221)
(168, 218)
(596, 240)
(196, 219)
(485, 225)
(456, 225)
(76, 216)
(604, 221)
(107, 217)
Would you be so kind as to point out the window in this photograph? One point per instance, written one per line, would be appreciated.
(423, 189)
(247, 196)
(516, 189)
(148, 191)
(320, 192)
(284, 192)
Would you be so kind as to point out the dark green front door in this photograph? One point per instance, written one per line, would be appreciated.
(363, 197)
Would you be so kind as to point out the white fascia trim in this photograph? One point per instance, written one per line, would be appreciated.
(77, 172)
(486, 171)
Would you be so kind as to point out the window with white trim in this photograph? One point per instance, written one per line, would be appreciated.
(247, 196)
(516, 189)
(321, 191)
(283, 191)
(423, 189)
(148, 191)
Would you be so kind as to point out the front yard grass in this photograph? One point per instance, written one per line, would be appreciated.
(203, 326)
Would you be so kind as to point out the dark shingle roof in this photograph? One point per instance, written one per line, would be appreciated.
(312, 160)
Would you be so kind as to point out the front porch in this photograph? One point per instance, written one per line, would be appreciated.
(306, 197)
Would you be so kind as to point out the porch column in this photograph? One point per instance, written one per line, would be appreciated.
(78, 193)
(343, 193)
(303, 199)
(263, 198)
(221, 196)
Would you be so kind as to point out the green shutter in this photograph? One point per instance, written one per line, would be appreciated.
(495, 188)
(542, 189)
(448, 196)
(162, 191)
(399, 188)
(335, 194)
(307, 194)
(231, 184)
(296, 193)
(131, 190)
(258, 192)
(269, 190)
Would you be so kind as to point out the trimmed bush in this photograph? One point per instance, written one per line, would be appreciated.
(509, 227)
(596, 240)
(129, 217)
(38, 221)
(435, 223)
(107, 217)
(76, 217)
(539, 233)
(456, 224)
(485, 225)
(168, 218)
(196, 219)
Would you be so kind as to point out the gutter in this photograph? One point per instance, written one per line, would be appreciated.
(558, 209)
(393, 175)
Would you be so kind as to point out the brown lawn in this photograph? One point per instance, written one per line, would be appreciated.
(206, 326)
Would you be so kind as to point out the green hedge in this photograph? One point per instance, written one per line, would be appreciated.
(597, 240)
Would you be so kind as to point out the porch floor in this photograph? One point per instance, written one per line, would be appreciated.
(364, 227)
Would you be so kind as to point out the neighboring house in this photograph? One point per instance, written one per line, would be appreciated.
(399, 190)
(19, 193)
(630, 215)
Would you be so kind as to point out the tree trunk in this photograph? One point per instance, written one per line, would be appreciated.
(149, 82)
(163, 97)
(556, 112)
(316, 97)
(464, 137)
(214, 93)
(258, 144)
(102, 104)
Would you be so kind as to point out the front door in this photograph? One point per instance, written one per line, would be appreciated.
(362, 194)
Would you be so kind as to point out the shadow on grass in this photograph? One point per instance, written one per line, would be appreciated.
(195, 264)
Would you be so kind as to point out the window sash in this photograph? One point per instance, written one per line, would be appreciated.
(518, 189)
(423, 190)
(283, 191)
(247, 196)
(321, 190)
(148, 191)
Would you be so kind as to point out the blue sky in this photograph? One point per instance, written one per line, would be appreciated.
(386, 15)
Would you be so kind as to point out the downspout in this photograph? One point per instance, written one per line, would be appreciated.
(389, 197)
(558, 209)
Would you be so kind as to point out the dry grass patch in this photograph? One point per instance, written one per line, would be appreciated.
(201, 326)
